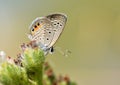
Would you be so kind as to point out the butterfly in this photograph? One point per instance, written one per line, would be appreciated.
(46, 30)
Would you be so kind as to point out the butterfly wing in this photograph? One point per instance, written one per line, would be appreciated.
(49, 29)
(58, 22)
(44, 34)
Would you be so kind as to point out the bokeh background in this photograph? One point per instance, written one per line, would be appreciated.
(92, 34)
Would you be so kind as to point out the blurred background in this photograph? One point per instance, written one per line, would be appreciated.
(92, 34)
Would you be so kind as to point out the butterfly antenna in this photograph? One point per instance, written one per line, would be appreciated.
(64, 53)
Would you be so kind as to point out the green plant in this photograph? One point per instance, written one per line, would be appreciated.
(30, 68)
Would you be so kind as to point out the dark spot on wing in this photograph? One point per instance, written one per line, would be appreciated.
(38, 24)
(54, 24)
(32, 29)
(35, 26)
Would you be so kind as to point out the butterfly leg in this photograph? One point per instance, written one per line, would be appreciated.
(63, 52)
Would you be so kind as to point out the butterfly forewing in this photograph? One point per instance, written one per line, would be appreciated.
(58, 22)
